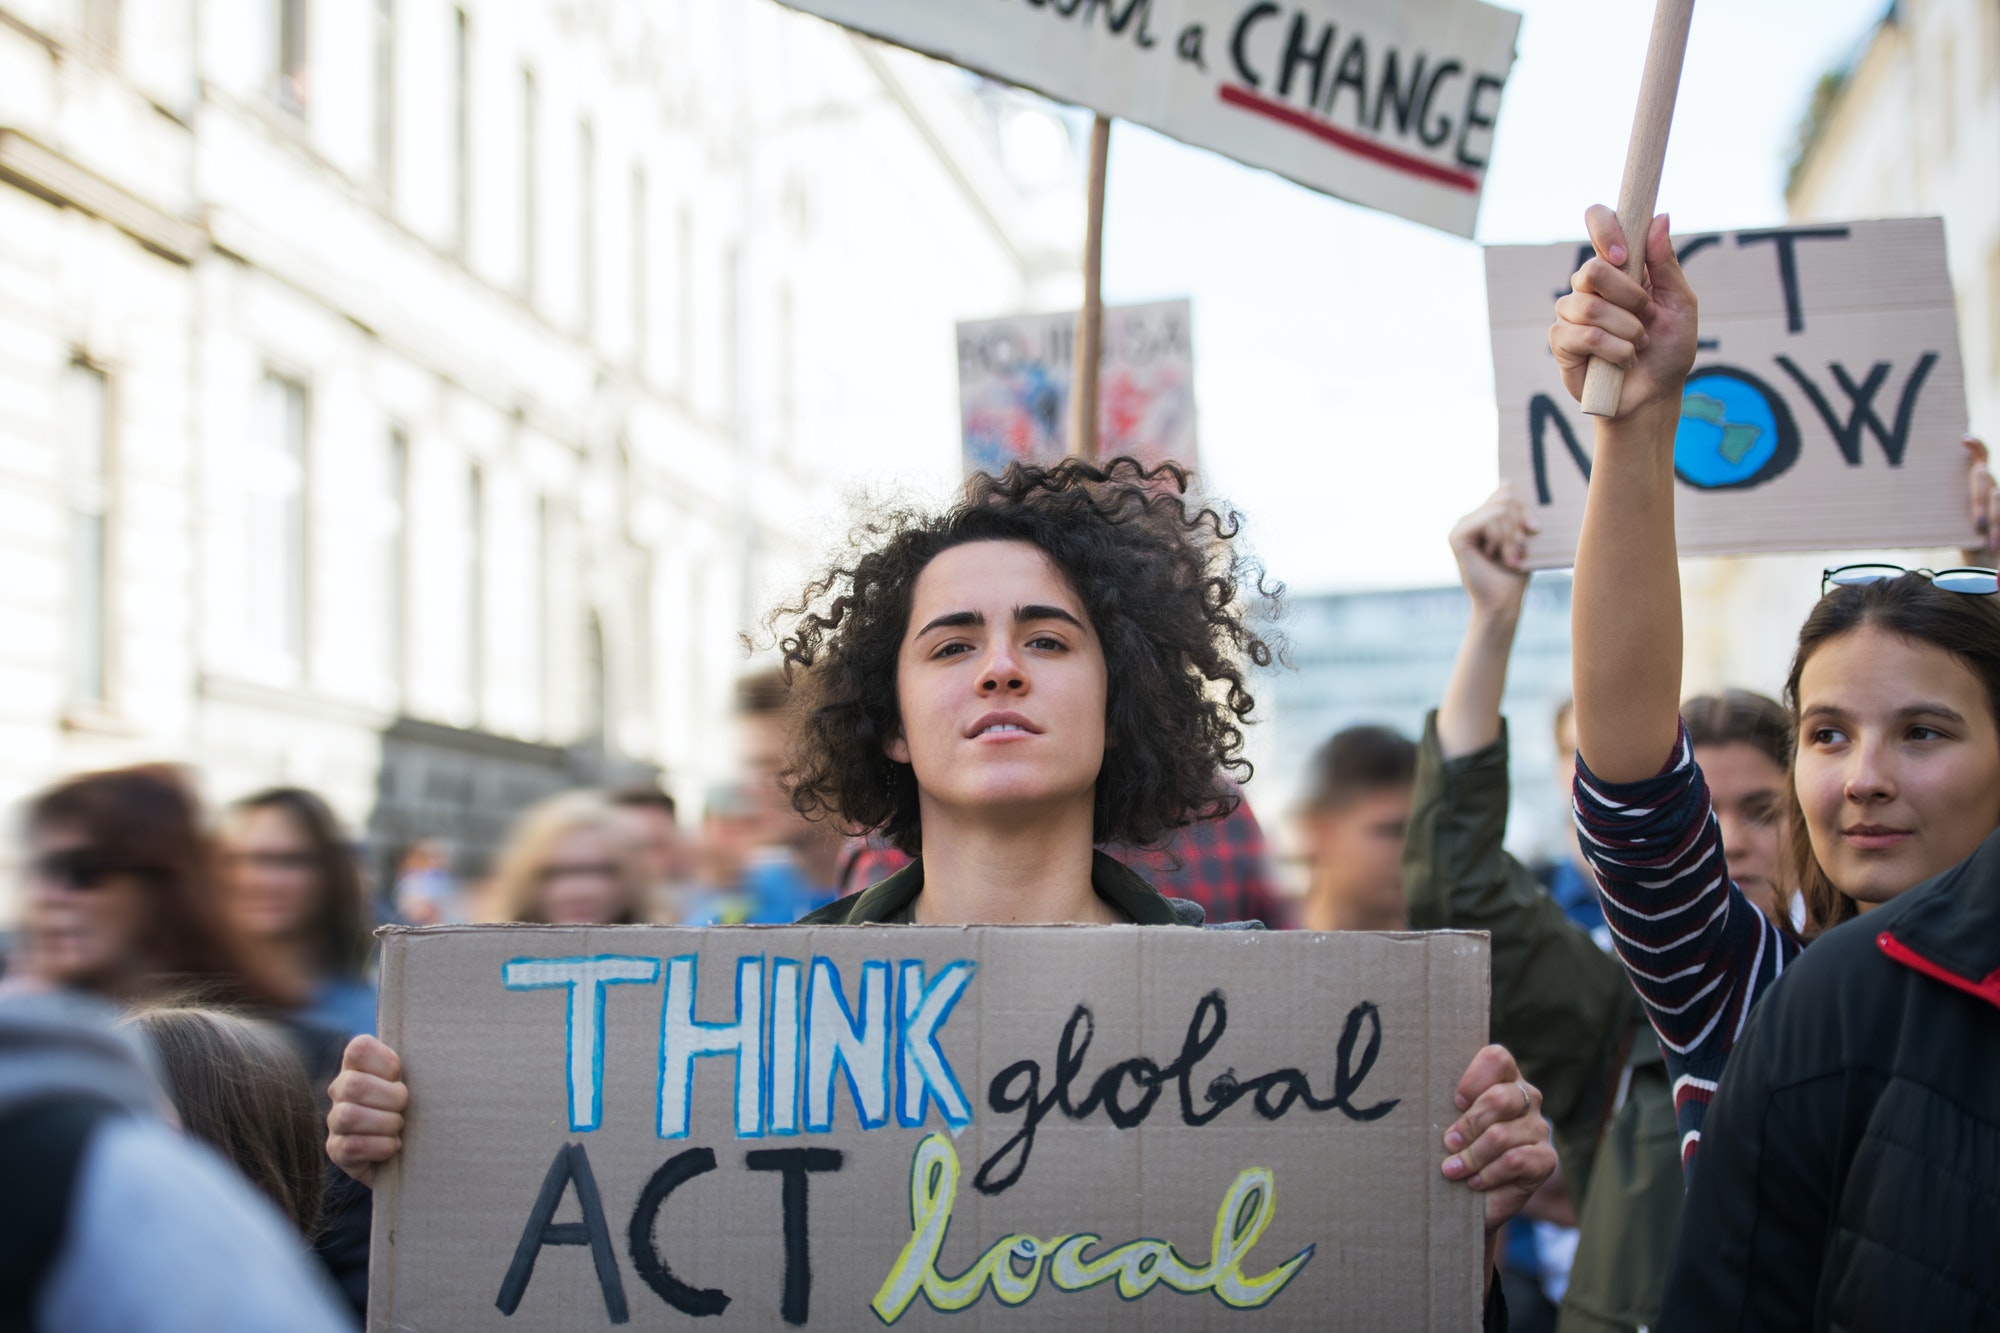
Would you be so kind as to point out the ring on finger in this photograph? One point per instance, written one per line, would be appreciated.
(1527, 1101)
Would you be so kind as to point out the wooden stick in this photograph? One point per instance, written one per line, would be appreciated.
(1654, 117)
(1090, 319)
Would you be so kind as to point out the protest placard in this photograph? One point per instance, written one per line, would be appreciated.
(1014, 380)
(1824, 411)
(1024, 1128)
(1391, 105)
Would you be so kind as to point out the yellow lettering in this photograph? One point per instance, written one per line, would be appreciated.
(1013, 1266)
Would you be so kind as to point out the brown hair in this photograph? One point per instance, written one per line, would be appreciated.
(1919, 612)
(240, 1087)
(1740, 717)
(1168, 592)
(149, 819)
(341, 937)
(1359, 761)
(517, 876)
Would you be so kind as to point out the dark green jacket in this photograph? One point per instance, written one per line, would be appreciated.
(1117, 884)
(1566, 1011)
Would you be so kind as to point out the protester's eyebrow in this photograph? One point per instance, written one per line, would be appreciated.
(1025, 614)
(953, 620)
(1927, 709)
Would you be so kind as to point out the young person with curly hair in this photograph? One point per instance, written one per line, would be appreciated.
(1054, 662)
(1851, 1173)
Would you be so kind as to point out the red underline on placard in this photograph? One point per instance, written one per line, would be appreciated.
(1353, 143)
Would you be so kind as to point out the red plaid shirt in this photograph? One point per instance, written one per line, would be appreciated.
(1222, 864)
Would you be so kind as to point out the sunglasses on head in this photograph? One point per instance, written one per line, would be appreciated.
(1976, 582)
(79, 870)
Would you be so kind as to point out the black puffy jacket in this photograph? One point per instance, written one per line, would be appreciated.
(1849, 1175)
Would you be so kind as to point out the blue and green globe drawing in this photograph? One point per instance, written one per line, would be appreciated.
(1735, 431)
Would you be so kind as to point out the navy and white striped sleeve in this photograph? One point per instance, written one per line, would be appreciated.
(1698, 952)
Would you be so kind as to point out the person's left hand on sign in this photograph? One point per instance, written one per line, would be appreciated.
(1499, 1145)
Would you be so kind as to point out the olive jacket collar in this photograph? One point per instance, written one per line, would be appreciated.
(1114, 882)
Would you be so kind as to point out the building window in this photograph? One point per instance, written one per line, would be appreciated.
(684, 293)
(86, 414)
(475, 587)
(385, 93)
(277, 510)
(538, 623)
(396, 558)
(530, 171)
(461, 126)
(586, 226)
(290, 54)
(641, 285)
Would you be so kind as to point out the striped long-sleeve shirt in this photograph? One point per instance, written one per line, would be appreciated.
(1698, 952)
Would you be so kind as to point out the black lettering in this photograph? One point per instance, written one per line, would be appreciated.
(1251, 18)
(1542, 410)
(1295, 56)
(1435, 132)
(570, 1167)
(1861, 399)
(1018, 1086)
(1788, 268)
(1476, 119)
(1353, 74)
(795, 1164)
(673, 1173)
(1403, 96)
(1188, 45)
(1116, 21)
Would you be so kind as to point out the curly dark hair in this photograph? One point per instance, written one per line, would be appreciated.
(1169, 595)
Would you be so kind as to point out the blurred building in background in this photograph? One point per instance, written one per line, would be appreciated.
(1385, 657)
(1909, 126)
(416, 400)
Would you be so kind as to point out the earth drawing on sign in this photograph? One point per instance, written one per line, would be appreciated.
(1735, 431)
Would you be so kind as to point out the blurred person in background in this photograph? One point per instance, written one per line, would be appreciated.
(1356, 808)
(237, 1085)
(120, 897)
(425, 891)
(111, 1222)
(792, 869)
(664, 855)
(1222, 863)
(570, 861)
(293, 891)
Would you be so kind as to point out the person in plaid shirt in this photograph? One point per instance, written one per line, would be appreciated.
(1222, 864)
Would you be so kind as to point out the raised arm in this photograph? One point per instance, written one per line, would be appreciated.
(1626, 602)
(1489, 545)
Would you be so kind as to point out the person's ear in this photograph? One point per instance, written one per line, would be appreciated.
(896, 747)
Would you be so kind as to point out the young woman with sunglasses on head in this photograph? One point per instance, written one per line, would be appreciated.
(1846, 1183)
(1052, 663)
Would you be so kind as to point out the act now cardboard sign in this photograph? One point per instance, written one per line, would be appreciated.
(990, 1128)
(1825, 408)
(1388, 103)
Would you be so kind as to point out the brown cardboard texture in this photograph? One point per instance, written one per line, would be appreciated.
(1032, 1128)
(1825, 408)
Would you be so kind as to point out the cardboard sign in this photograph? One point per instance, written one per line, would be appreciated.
(1026, 1128)
(1014, 378)
(1824, 411)
(1388, 103)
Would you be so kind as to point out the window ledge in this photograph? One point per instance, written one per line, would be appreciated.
(97, 719)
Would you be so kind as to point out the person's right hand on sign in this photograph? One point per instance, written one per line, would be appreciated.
(365, 1126)
(1500, 1145)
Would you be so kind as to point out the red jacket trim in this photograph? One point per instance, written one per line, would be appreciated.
(1987, 990)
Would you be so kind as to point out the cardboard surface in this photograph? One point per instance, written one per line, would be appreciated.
(1824, 412)
(1388, 103)
(898, 1070)
(1014, 379)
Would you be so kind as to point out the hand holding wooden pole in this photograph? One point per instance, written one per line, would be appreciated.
(1603, 381)
(1090, 319)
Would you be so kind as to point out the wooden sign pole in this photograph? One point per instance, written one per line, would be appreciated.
(1090, 319)
(1603, 382)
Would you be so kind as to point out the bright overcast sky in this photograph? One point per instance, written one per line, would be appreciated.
(1343, 370)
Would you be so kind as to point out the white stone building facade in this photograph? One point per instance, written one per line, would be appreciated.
(415, 400)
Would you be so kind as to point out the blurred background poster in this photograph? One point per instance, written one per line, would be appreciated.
(1013, 386)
